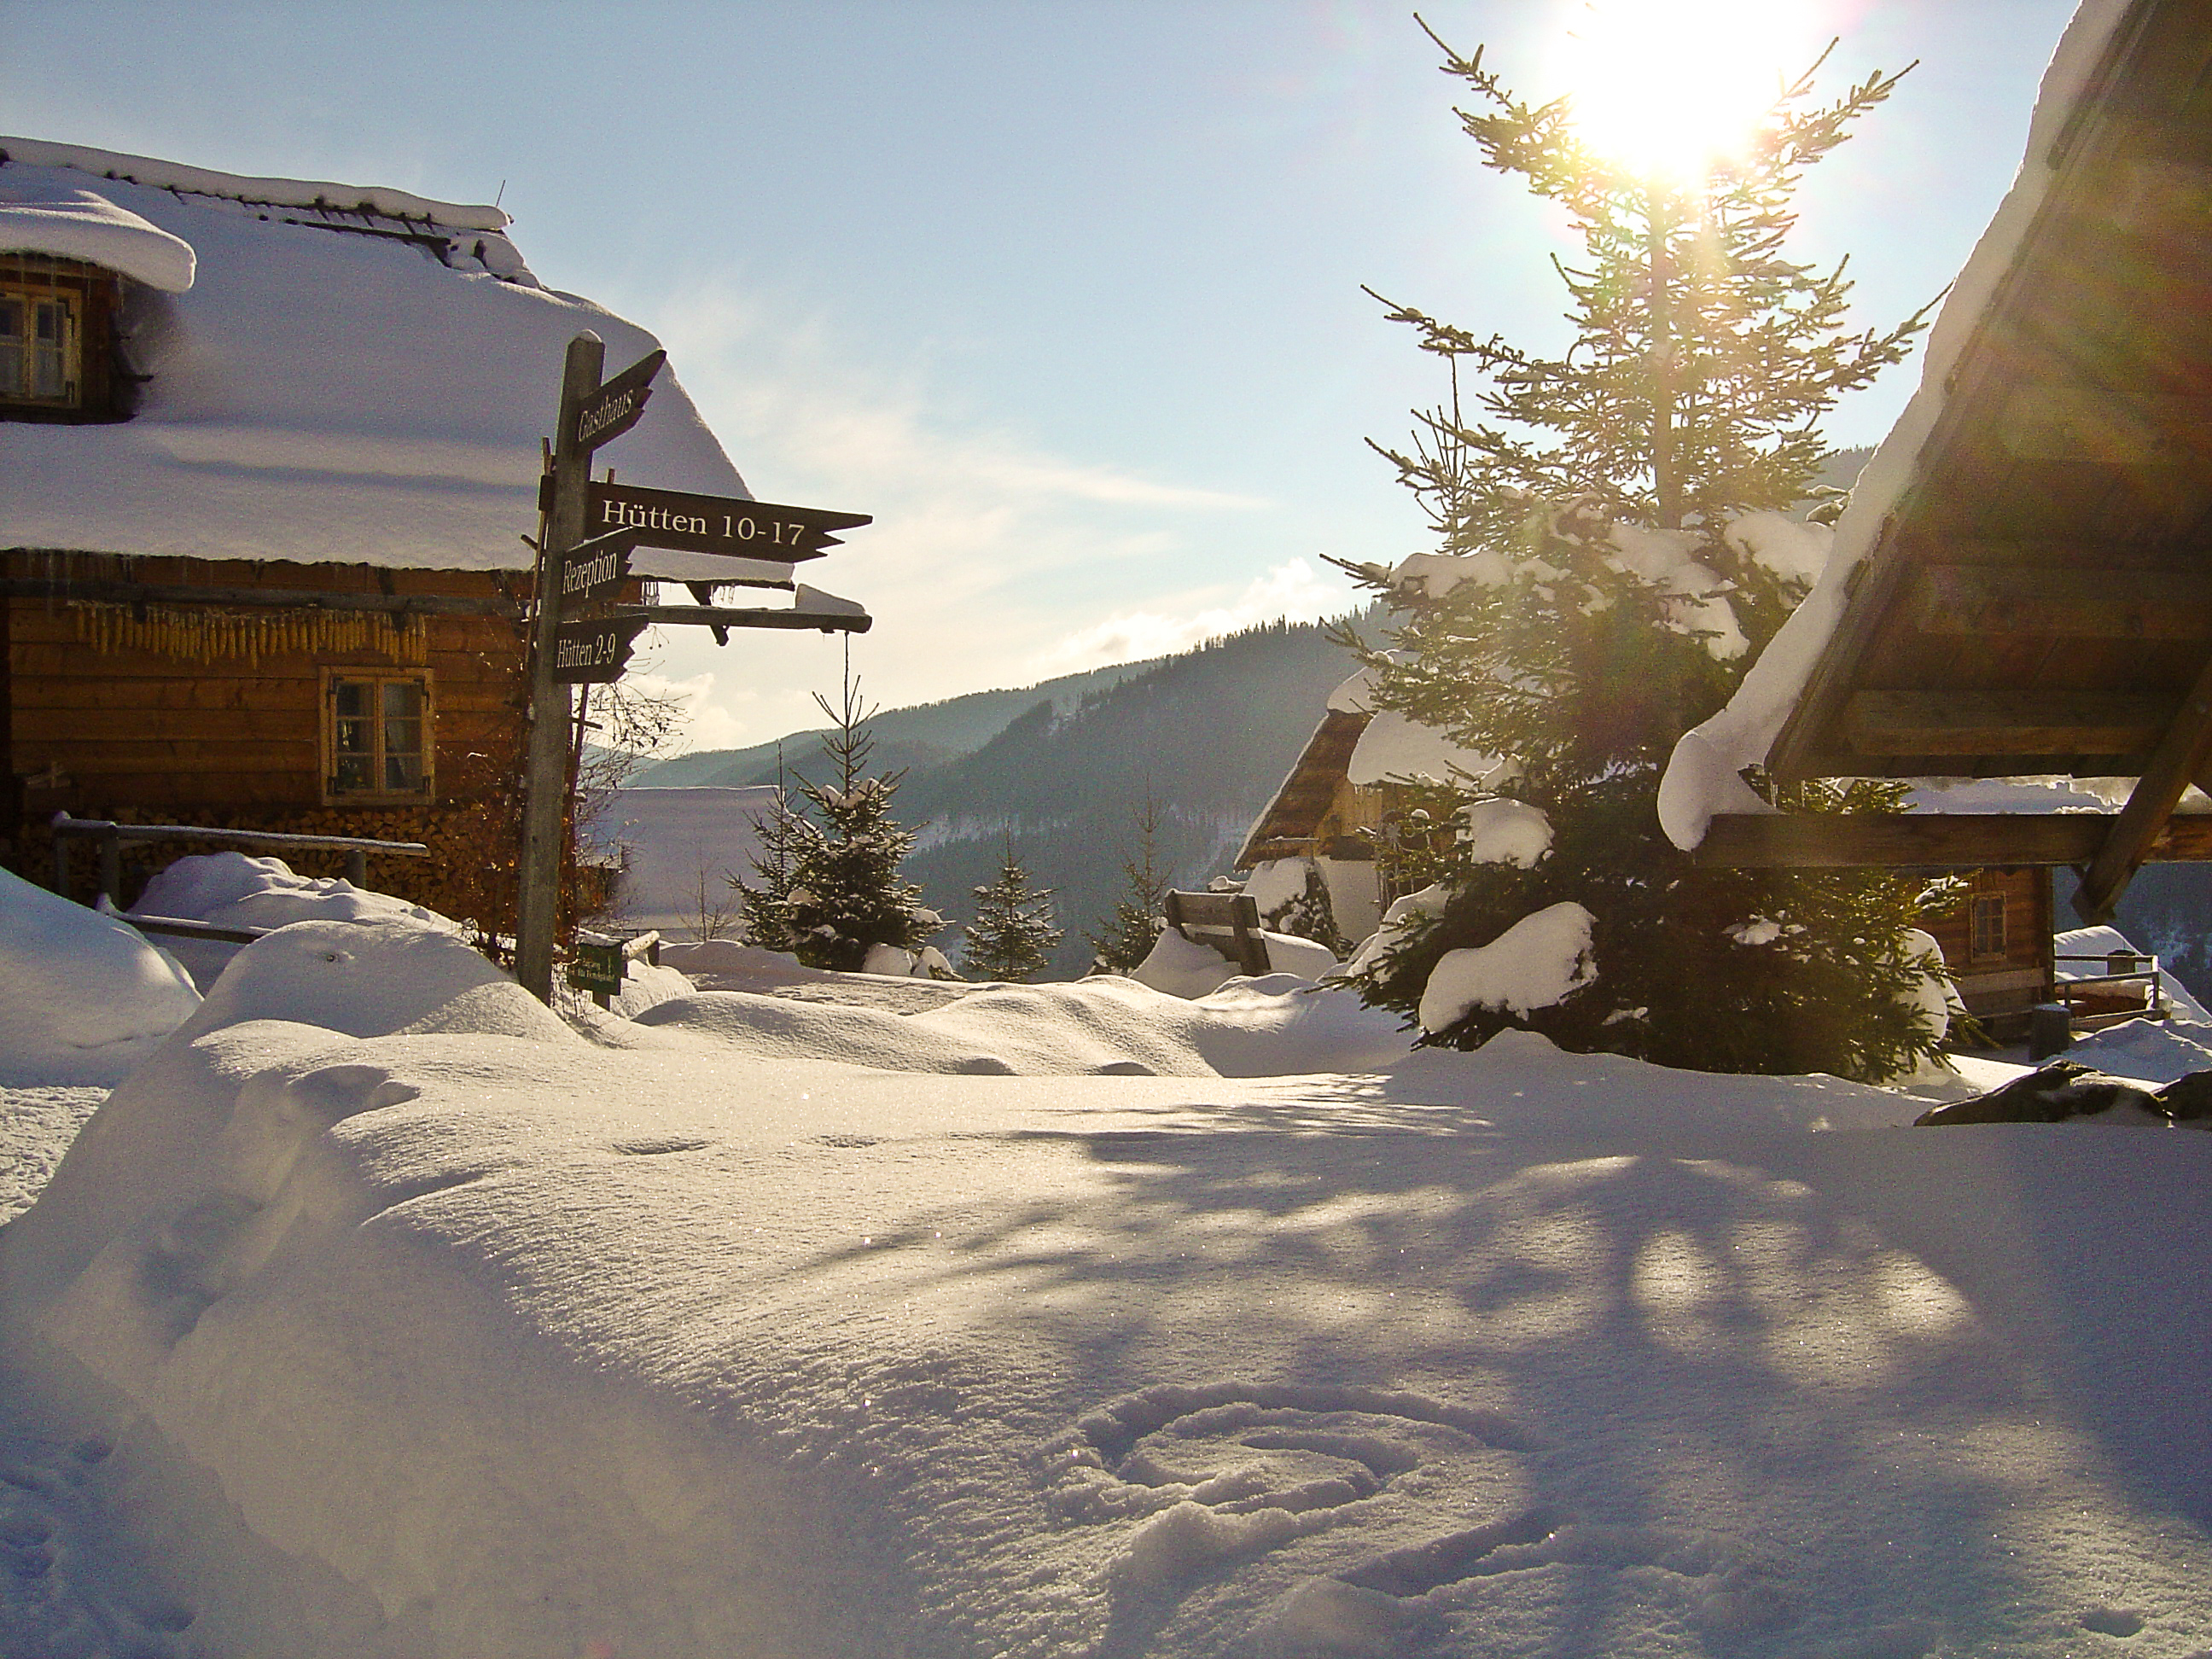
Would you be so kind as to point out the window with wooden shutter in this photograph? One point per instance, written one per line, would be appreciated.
(56, 339)
(377, 741)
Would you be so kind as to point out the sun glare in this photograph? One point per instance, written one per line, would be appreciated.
(1667, 87)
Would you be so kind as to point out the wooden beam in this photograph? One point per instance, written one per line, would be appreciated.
(2005, 722)
(2077, 604)
(2180, 756)
(828, 622)
(1933, 839)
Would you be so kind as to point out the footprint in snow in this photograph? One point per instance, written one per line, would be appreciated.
(1204, 1479)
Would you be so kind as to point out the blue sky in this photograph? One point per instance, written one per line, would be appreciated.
(1066, 292)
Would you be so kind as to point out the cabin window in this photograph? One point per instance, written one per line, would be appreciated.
(376, 736)
(1989, 925)
(41, 348)
(58, 341)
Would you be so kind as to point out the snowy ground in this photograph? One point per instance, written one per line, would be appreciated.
(379, 1314)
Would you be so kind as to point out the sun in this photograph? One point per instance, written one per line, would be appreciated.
(1668, 88)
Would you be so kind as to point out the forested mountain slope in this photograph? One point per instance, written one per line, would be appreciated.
(926, 735)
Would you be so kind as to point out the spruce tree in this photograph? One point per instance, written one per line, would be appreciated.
(1012, 936)
(828, 887)
(1613, 552)
(1127, 937)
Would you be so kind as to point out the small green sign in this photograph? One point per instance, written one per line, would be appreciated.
(597, 969)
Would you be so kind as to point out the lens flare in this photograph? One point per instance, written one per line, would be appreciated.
(1668, 89)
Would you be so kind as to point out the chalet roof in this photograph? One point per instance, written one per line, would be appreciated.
(1306, 794)
(2023, 584)
(354, 375)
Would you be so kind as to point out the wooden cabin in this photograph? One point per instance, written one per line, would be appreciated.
(1319, 814)
(1997, 943)
(1339, 806)
(2021, 587)
(269, 451)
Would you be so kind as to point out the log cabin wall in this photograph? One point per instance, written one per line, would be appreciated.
(2002, 961)
(218, 715)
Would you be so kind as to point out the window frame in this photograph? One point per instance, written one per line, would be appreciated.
(90, 293)
(1983, 904)
(333, 675)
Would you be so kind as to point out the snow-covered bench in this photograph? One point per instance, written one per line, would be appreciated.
(1229, 923)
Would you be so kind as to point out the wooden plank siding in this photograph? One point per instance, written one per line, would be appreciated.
(2009, 982)
(144, 736)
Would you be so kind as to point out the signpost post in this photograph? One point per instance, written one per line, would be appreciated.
(587, 533)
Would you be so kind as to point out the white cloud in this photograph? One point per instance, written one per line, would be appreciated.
(704, 724)
(1292, 589)
(989, 556)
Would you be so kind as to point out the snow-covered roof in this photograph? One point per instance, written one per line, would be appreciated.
(346, 374)
(1702, 777)
(78, 224)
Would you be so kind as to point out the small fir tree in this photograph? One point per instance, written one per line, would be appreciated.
(764, 903)
(1128, 936)
(1012, 936)
(829, 886)
(1614, 552)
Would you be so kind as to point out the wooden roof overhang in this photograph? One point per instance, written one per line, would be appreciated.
(2039, 600)
(1287, 828)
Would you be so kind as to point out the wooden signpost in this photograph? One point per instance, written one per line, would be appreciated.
(587, 533)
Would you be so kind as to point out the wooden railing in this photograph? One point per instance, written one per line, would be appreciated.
(111, 836)
(2129, 988)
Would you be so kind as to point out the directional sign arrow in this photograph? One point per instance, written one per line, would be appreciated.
(594, 653)
(713, 523)
(594, 569)
(614, 408)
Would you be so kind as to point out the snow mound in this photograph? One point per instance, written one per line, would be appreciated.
(1181, 967)
(1538, 962)
(1278, 882)
(2151, 1051)
(1498, 830)
(464, 1346)
(370, 978)
(78, 224)
(1246, 1028)
(232, 890)
(86, 998)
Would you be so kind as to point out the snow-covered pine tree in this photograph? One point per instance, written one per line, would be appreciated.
(1012, 936)
(1614, 550)
(763, 903)
(1128, 936)
(829, 887)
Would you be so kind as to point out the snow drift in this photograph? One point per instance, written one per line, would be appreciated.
(419, 1325)
(86, 997)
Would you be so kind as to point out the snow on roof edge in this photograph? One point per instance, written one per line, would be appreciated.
(158, 174)
(1702, 775)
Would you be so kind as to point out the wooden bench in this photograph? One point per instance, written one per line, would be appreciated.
(1229, 923)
